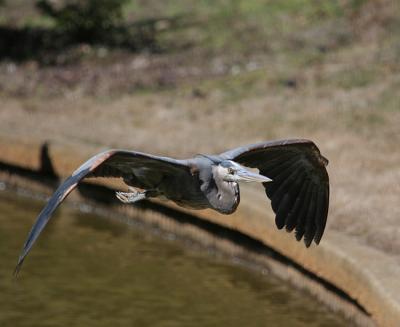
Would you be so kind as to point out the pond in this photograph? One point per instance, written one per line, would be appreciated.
(92, 271)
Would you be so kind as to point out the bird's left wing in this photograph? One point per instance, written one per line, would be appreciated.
(112, 163)
(299, 190)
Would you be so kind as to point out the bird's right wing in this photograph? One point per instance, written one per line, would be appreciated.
(299, 190)
(145, 169)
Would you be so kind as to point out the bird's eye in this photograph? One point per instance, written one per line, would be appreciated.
(231, 171)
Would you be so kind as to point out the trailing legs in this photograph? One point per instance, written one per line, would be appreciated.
(132, 196)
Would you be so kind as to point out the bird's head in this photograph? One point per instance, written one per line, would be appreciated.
(231, 171)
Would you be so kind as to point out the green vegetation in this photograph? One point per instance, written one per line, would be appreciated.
(241, 26)
(239, 47)
(85, 20)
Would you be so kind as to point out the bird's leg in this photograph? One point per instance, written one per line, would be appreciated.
(132, 196)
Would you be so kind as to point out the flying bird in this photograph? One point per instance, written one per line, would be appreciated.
(292, 172)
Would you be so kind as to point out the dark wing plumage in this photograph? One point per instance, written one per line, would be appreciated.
(299, 190)
(139, 169)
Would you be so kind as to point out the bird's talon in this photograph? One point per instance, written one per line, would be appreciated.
(130, 197)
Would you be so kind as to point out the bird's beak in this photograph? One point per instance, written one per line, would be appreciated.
(248, 176)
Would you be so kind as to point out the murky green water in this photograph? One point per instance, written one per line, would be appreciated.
(89, 271)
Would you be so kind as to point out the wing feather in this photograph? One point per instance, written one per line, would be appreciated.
(310, 224)
(285, 187)
(282, 211)
(281, 168)
(278, 174)
(321, 213)
(291, 218)
(303, 212)
(291, 192)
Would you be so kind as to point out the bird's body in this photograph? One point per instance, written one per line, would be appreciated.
(186, 189)
(292, 171)
(189, 190)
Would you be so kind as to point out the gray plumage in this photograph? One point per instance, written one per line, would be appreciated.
(292, 172)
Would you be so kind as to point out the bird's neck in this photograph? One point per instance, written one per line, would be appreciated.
(226, 196)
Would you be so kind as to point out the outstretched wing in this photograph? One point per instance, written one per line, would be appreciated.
(299, 190)
(140, 169)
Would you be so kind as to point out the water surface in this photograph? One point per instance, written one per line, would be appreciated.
(91, 271)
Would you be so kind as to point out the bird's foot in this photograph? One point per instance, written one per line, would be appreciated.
(130, 197)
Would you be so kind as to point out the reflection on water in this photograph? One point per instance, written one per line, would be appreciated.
(88, 271)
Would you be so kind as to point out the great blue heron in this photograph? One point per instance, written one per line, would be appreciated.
(292, 171)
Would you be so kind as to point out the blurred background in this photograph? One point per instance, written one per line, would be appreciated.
(178, 78)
